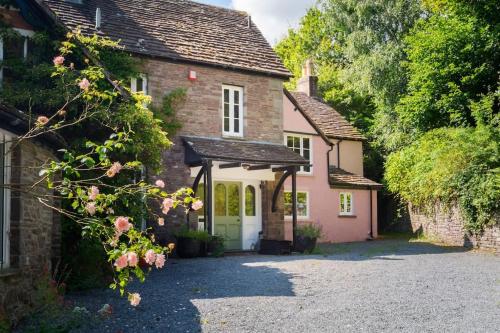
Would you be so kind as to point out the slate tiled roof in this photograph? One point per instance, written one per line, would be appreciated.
(331, 123)
(343, 179)
(243, 151)
(176, 29)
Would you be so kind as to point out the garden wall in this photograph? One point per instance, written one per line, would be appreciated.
(34, 234)
(447, 225)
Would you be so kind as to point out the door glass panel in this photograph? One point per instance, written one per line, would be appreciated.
(250, 201)
(220, 200)
(233, 200)
(236, 97)
(226, 96)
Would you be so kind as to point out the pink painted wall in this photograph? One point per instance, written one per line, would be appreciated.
(324, 201)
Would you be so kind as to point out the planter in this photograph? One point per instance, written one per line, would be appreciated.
(275, 247)
(188, 247)
(215, 245)
(304, 244)
(203, 252)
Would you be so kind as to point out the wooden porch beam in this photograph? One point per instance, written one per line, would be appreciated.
(230, 165)
(258, 167)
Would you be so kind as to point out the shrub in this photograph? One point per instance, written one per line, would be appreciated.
(451, 166)
(309, 230)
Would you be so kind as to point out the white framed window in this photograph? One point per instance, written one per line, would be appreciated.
(302, 145)
(302, 204)
(232, 111)
(5, 141)
(139, 84)
(346, 203)
(14, 48)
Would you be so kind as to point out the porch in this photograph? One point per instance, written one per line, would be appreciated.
(240, 183)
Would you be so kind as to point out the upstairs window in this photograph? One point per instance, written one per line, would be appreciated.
(232, 98)
(346, 203)
(13, 47)
(302, 146)
(139, 84)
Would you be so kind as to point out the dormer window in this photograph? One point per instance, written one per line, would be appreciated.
(232, 109)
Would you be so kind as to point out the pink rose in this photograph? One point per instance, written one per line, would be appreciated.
(150, 257)
(166, 205)
(160, 183)
(84, 84)
(93, 193)
(42, 120)
(198, 204)
(122, 224)
(160, 261)
(121, 262)
(134, 299)
(133, 259)
(114, 169)
(161, 221)
(90, 208)
(58, 61)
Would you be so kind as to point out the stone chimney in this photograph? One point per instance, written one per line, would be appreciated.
(308, 83)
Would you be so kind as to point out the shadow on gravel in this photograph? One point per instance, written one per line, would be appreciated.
(169, 296)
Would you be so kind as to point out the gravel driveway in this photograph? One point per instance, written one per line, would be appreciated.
(390, 286)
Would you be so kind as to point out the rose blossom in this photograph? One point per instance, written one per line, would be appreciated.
(90, 208)
(42, 120)
(197, 205)
(160, 261)
(135, 299)
(160, 183)
(84, 84)
(93, 193)
(58, 61)
(133, 260)
(121, 262)
(167, 204)
(114, 169)
(122, 224)
(150, 257)
(161, 221)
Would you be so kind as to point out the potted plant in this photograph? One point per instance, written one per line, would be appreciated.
(216, 246)
(204, 239)
(306, 237)
(188, 243)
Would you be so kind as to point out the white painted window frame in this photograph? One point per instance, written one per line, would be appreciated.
(308, 205)
(302, 137)
(6, 138)
(231, 132)
(133, 84)
(345, 194)
(26, 34)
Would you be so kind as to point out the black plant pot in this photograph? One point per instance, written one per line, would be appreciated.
(188, 247)
(304, 244)
(215, 245)
(203, 249)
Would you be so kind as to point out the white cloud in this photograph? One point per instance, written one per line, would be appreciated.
(274, 17)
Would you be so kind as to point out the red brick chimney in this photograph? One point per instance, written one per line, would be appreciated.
(308, 83)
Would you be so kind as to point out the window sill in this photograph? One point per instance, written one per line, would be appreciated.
(6, 272)
(234, 137)
(347, 216)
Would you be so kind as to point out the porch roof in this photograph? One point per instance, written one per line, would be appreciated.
(339, 178)
(200, 148)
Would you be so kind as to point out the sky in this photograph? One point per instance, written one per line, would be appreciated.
(273, 17)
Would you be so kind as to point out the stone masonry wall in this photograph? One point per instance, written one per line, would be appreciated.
(448, 227)
(35, 233)
(201, 115)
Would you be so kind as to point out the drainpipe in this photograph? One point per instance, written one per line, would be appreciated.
(371, 217)
(328, 160)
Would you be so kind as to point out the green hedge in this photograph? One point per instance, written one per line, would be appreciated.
(451, 166)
